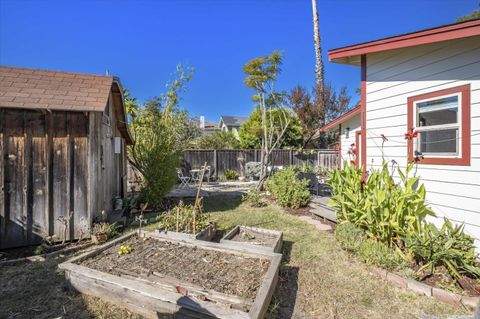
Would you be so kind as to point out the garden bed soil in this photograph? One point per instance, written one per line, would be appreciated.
(256, 236)
(209, 269)
(181, 277)
(466, 285)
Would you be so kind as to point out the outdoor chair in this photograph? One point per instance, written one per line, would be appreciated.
(184, 180)
(313, 183)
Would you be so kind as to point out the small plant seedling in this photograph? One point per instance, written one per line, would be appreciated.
(124, 250)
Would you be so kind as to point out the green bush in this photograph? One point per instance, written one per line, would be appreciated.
(230, 175)
(287, 189)
(349, 236)
(394, 214)
(254, 199)
(377, 253)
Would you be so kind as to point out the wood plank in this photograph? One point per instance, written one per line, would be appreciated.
(60, 172)
(49, 175)
(2, 187)
(265, 292)
(15, 214)
(154, 298)
(81, 219)
(38, 176)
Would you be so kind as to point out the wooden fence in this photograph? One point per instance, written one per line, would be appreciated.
(221, 160)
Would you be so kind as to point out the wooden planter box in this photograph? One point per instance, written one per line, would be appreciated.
(157, 299)
(274, 243)
(207, 234)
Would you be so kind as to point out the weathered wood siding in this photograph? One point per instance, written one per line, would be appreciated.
(452, 191)
(108, 173)
(43, 165)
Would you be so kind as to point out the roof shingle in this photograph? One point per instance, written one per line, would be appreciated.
(54, 90)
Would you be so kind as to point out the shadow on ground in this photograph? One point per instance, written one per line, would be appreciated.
(285, 295)
(221, 203)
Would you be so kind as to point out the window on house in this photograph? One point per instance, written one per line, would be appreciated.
(442, 121)
(438, 126)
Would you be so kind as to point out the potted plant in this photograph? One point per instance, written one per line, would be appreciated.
(101, 232)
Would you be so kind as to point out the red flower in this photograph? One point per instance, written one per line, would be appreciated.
(411, 134)
(352, 145)
(353, 162)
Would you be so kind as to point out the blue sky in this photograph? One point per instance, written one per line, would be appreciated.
(142, 41)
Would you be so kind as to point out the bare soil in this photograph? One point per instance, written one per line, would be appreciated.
(223, 272)
(253, 237)
(22, 252)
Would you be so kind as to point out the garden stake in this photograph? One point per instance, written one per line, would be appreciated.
(141, 219)
(197, 202)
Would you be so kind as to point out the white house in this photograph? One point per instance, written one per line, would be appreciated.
(229, 123)
(429, 82)
(349, 130)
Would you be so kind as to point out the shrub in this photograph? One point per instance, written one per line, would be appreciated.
(181, 219)
(287, 189)
(230, 175)
(253, 169)
(254, 199)
(394, 214)
(349, 236)
(448, 246)
(377, 253)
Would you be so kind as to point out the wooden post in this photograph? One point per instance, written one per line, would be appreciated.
(215, 164)
(291, 157)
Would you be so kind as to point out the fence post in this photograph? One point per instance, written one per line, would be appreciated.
(255, 155)
(291, 157)
(215, 166)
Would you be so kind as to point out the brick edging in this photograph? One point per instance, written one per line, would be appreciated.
(427, 290)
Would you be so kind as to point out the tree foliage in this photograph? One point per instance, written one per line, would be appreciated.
(160, 130)
(474, 15)
(261, 74)
(218, 140)
(251, 132)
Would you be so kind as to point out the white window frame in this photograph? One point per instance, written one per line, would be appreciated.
(440, 127)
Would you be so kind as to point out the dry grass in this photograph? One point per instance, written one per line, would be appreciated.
(38, 290)
(319, 279)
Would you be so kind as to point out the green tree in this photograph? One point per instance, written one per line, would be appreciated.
(474, 15)
(251, 131)
(159, 134)
(217, 141)
(261, 75)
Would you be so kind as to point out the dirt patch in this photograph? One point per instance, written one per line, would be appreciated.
(223, 272)
(253, 237)
(22, 252)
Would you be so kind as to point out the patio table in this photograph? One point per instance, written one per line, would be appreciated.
(195, 173)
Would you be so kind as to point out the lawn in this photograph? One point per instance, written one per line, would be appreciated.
(317, 279)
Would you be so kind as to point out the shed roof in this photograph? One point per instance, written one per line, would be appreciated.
(53, 90)
(232, 120)
(26, 88)
(351, 54)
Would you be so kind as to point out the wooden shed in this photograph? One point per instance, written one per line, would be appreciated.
(62, 152)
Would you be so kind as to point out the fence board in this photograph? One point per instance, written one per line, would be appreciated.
(221, 160)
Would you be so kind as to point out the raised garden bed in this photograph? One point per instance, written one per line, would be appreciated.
(207, 234)
(271, 239)
(184, 277)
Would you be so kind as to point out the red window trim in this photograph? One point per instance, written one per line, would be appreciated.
(464, 90)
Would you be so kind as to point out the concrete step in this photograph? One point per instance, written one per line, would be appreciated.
(325, 213)
(318, 225)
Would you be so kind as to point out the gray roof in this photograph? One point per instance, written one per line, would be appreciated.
(232, 120)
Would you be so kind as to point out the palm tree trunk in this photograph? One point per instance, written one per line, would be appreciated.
(318, 49)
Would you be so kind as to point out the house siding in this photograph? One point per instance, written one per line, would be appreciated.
(453, 191)
(354, 125)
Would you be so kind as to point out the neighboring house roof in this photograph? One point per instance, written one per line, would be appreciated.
(333, 124)
(61, 91)
(351, 54)
(230, 120)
